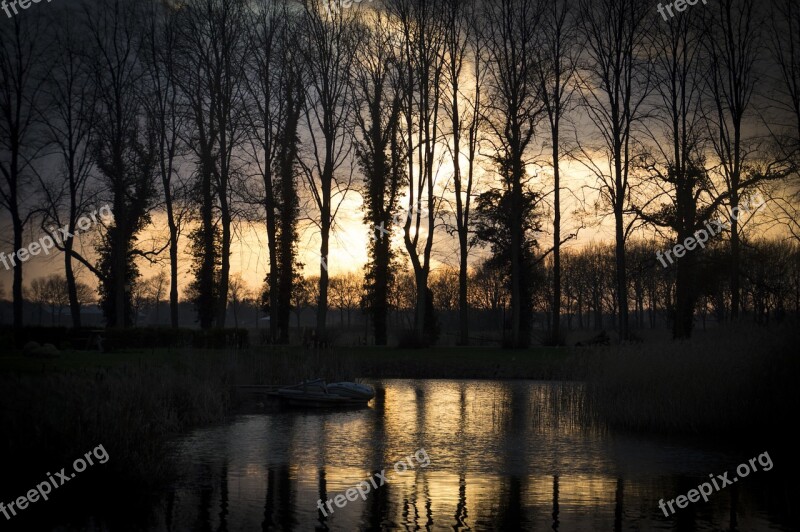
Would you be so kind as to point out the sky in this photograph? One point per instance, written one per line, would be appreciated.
(349, 240)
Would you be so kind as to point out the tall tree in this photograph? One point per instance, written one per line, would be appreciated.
(785, 51)
(270, 33)
(123, 148)
(465, 48)
(555, 71)
(329, 49)
(23, 67)
(733, 43)
(380, 155)
(494, 224)
(421, 27)
(615, 83)
(514, 110)
(676, 161)
(213, 37)
(69, 116)
(163, 109)
(288, 204)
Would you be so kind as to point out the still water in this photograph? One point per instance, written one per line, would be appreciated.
(502, 456)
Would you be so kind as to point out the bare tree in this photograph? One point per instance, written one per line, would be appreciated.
(237, 292)
(785, 47)
(304, 295)
(465, 48)
(69, 116)
(269, 71)
(675, 164)
(422, 40)
(162, 104)
(329, 50)
(733, 43)
(52, 291)
(489, 291)
(23, 67)
(211, 76)
(556, 68)
(39, 295)
(785, 51)
(346, 294)
(445, 285)
(616, 81)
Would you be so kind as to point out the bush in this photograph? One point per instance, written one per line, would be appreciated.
(133, 338)
(408, 340)
(163, 337)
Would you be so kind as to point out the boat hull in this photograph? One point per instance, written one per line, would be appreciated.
(299, 398)
(351, 390)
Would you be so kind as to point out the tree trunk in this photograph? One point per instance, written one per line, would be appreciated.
(173, 277)
(621, 274)
(225, 258)
(72, 290)
(17, 286)
(556, 332)
(324, 280)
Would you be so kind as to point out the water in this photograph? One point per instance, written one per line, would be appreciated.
(502, 456)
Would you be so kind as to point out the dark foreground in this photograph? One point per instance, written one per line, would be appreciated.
(733, 393)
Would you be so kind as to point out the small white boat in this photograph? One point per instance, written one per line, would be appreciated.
(317, 394)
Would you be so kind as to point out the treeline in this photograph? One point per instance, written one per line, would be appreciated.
(453, 120)
(770, 293)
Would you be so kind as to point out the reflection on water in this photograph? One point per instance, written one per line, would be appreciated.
(504, 456)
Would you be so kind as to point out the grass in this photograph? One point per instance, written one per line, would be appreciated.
(278, 365)
(132, 409)
(54, 411)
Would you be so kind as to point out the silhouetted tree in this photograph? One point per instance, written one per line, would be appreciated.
(23, 69)
(421, 37)
(211, 76)
(380, 156)
(328, 48)
(615, 83)
(69, 115)
(494, 224)
(514, 110)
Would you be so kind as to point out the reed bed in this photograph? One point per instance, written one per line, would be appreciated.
(741, 382)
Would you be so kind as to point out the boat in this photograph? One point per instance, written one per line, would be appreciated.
(317, 394)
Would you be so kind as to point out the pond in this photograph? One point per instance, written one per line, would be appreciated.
(459, 455)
